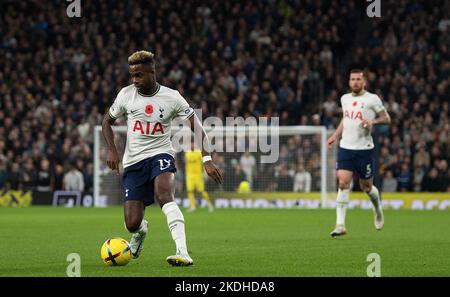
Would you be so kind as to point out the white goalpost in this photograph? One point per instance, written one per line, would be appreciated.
(280, 153)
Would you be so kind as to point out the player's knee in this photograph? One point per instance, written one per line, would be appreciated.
(165, 197)
(343, 185)
(366, 188)
(132, 225)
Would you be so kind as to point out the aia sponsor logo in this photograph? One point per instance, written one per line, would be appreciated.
(353, 115)
(147, 128)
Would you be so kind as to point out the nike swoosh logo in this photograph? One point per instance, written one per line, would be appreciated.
(139, 246)
(133, 111)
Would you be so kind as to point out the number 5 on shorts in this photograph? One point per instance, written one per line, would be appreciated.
(368, 170)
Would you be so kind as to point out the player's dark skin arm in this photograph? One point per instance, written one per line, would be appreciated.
(113, 157)
(133, 209)
(210, 168)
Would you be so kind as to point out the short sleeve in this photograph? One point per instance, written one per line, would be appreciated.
(183, 110)
(342, 101)
(118, 107)
(378, 104)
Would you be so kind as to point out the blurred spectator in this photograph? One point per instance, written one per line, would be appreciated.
(404, 178)
(73, 180)
(3, 174)
(88, 175)
(285, 157)
(393, 165)
(13, 180)
(284, 181)
(58, 177)
(419, 174)
(235, 178)
(28, 177)
(302, 179)
(389, 183)
(430, 182)
(443, 174)
(315, 169)
(44, 177)
(248, 164)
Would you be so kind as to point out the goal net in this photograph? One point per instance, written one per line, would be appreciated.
(268, 166)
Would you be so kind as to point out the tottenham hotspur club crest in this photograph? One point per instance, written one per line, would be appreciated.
(161, 111)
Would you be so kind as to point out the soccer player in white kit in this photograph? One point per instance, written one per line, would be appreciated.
(148, 161)
(362, 110)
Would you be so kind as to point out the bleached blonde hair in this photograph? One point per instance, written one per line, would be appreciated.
(141, 57)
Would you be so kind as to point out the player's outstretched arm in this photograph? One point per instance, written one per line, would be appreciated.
(335, 135)
(113, 157)
(210, 168)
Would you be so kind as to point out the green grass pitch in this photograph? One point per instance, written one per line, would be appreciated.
(35, 241)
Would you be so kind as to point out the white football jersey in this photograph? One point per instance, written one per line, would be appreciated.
(355, 110)
(149, 120)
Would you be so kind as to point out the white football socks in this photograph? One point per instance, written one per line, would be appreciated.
(374, 196)
(341, 206)
(175, 221)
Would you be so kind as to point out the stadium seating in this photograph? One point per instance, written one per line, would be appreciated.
(246, 58)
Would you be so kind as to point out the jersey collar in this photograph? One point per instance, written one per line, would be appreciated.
(360, 94)
(158, 86)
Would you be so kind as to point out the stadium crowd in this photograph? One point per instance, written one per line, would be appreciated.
(248, 58)
(408, 55)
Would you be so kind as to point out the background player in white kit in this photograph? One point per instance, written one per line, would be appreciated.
(362, 110)
(148, 161)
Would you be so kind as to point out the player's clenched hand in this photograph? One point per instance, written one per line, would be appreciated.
(113, 160)
(330, 141)
(213, 171)
(368, 124)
